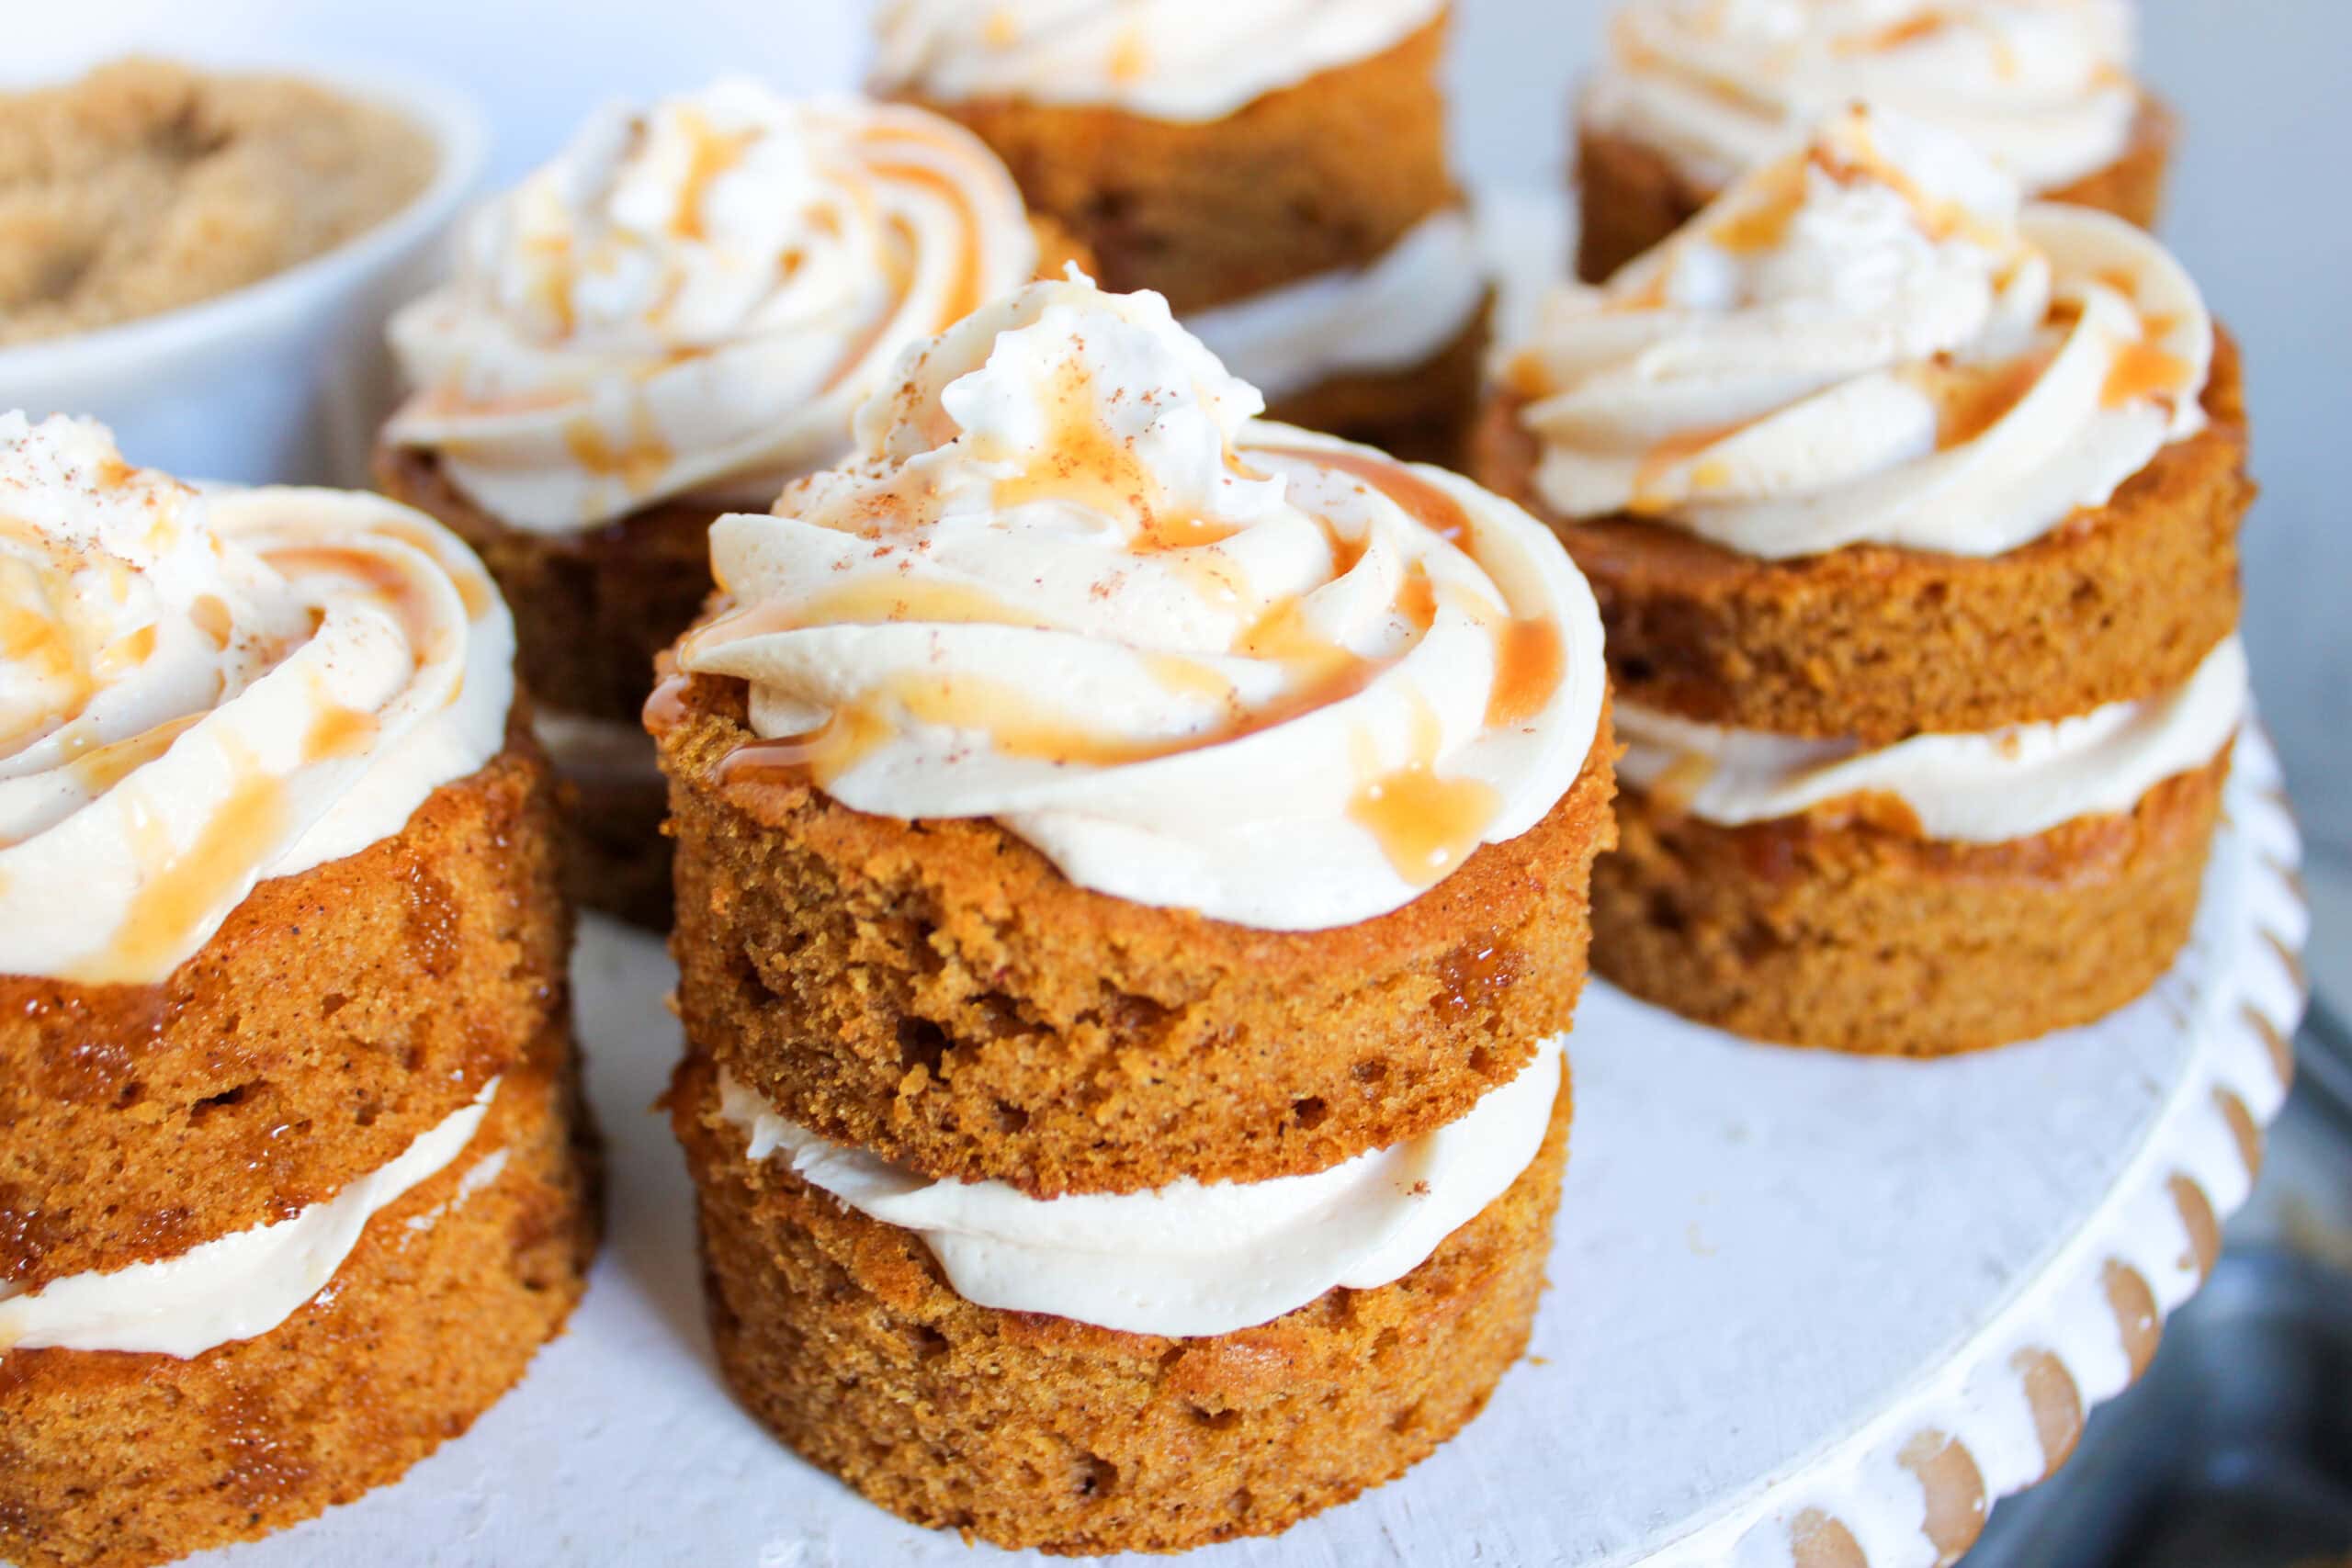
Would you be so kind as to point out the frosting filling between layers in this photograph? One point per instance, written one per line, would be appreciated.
(1868, 341)
(2042, 88)
(1173, 59)
(203, 690)
(237, 1286)
(690, 301)
(1198, 661)
(1987, 788)
(1187, 1258)
(1396, 311)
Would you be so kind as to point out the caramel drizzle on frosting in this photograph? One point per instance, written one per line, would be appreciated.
(1425, 825)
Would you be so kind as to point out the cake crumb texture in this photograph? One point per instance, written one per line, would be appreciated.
(1841, 933)
(841, 1333)
(335, 1015)
(148, 184)
(939, 993)
(117, 1460)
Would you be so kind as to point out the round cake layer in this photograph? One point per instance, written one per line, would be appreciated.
(1420, 413)
(938, 993)
(1307, 179)
(336, 1014)
(1874, 643)
(1631, 196)
(111, 1460)
(1840, 932)
(840, 1332)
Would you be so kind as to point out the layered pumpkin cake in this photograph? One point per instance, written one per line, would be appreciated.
(670, 319)
(1131, 867)
(1691, 93)
(1278, 171)
(1913, 511)
(292, 1182)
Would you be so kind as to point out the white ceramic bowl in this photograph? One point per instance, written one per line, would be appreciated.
(283, 380)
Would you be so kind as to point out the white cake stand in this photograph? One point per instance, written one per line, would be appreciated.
(1807, 1310)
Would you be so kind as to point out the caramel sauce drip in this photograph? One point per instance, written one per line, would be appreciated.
(1765, 225)
(1972, 399)
(181, 889)
(665, 709)
(210, 614)
(99, 767)
(387, 585)
(1425, 825)
(1082, 462)
(1420, 499)
(1895, 35)
(338, 731)
(1673, 790)
(710, 156)
(1528, 666)
(637, 465)
(2142, 370)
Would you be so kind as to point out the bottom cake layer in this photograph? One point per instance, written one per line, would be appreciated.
(842, 1334)
(110, 1460)
(1863, 938)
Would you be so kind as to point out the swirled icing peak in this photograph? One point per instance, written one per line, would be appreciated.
(197, 692)
(1174, 60)
(695, 297)
(1868, 339)
(1199, 660)
(2041, 86)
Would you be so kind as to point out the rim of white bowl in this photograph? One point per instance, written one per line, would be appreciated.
(460, 135)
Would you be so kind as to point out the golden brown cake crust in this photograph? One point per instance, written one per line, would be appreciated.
(841, 1333)
(1325, 175)
(1631, 196)
(1874, 643)
(337, 1014)
(1839, 933)
(937, 992)
(116, 1460)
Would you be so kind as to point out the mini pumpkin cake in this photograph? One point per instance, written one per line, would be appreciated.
(1913, 514)
(292, 1181)
(1691, 93)
(1277, 170)
(674, 318)
(1132, 865)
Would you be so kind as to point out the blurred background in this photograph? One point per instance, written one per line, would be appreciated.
(2256, 214)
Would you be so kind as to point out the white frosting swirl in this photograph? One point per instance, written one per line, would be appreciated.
(1198, 663)
(1396, 310)
(2042, 87)
(1187, 1258)
(237, 1286)
(1987, 789)
(1866, 341)
(694, 298)
(202, 691)
(1173, 59)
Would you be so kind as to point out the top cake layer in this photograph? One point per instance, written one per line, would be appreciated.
(1173, 59)
(2042, 86)
(1868, 340)
(691, 300)
(1199, 661)
(202, 690)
